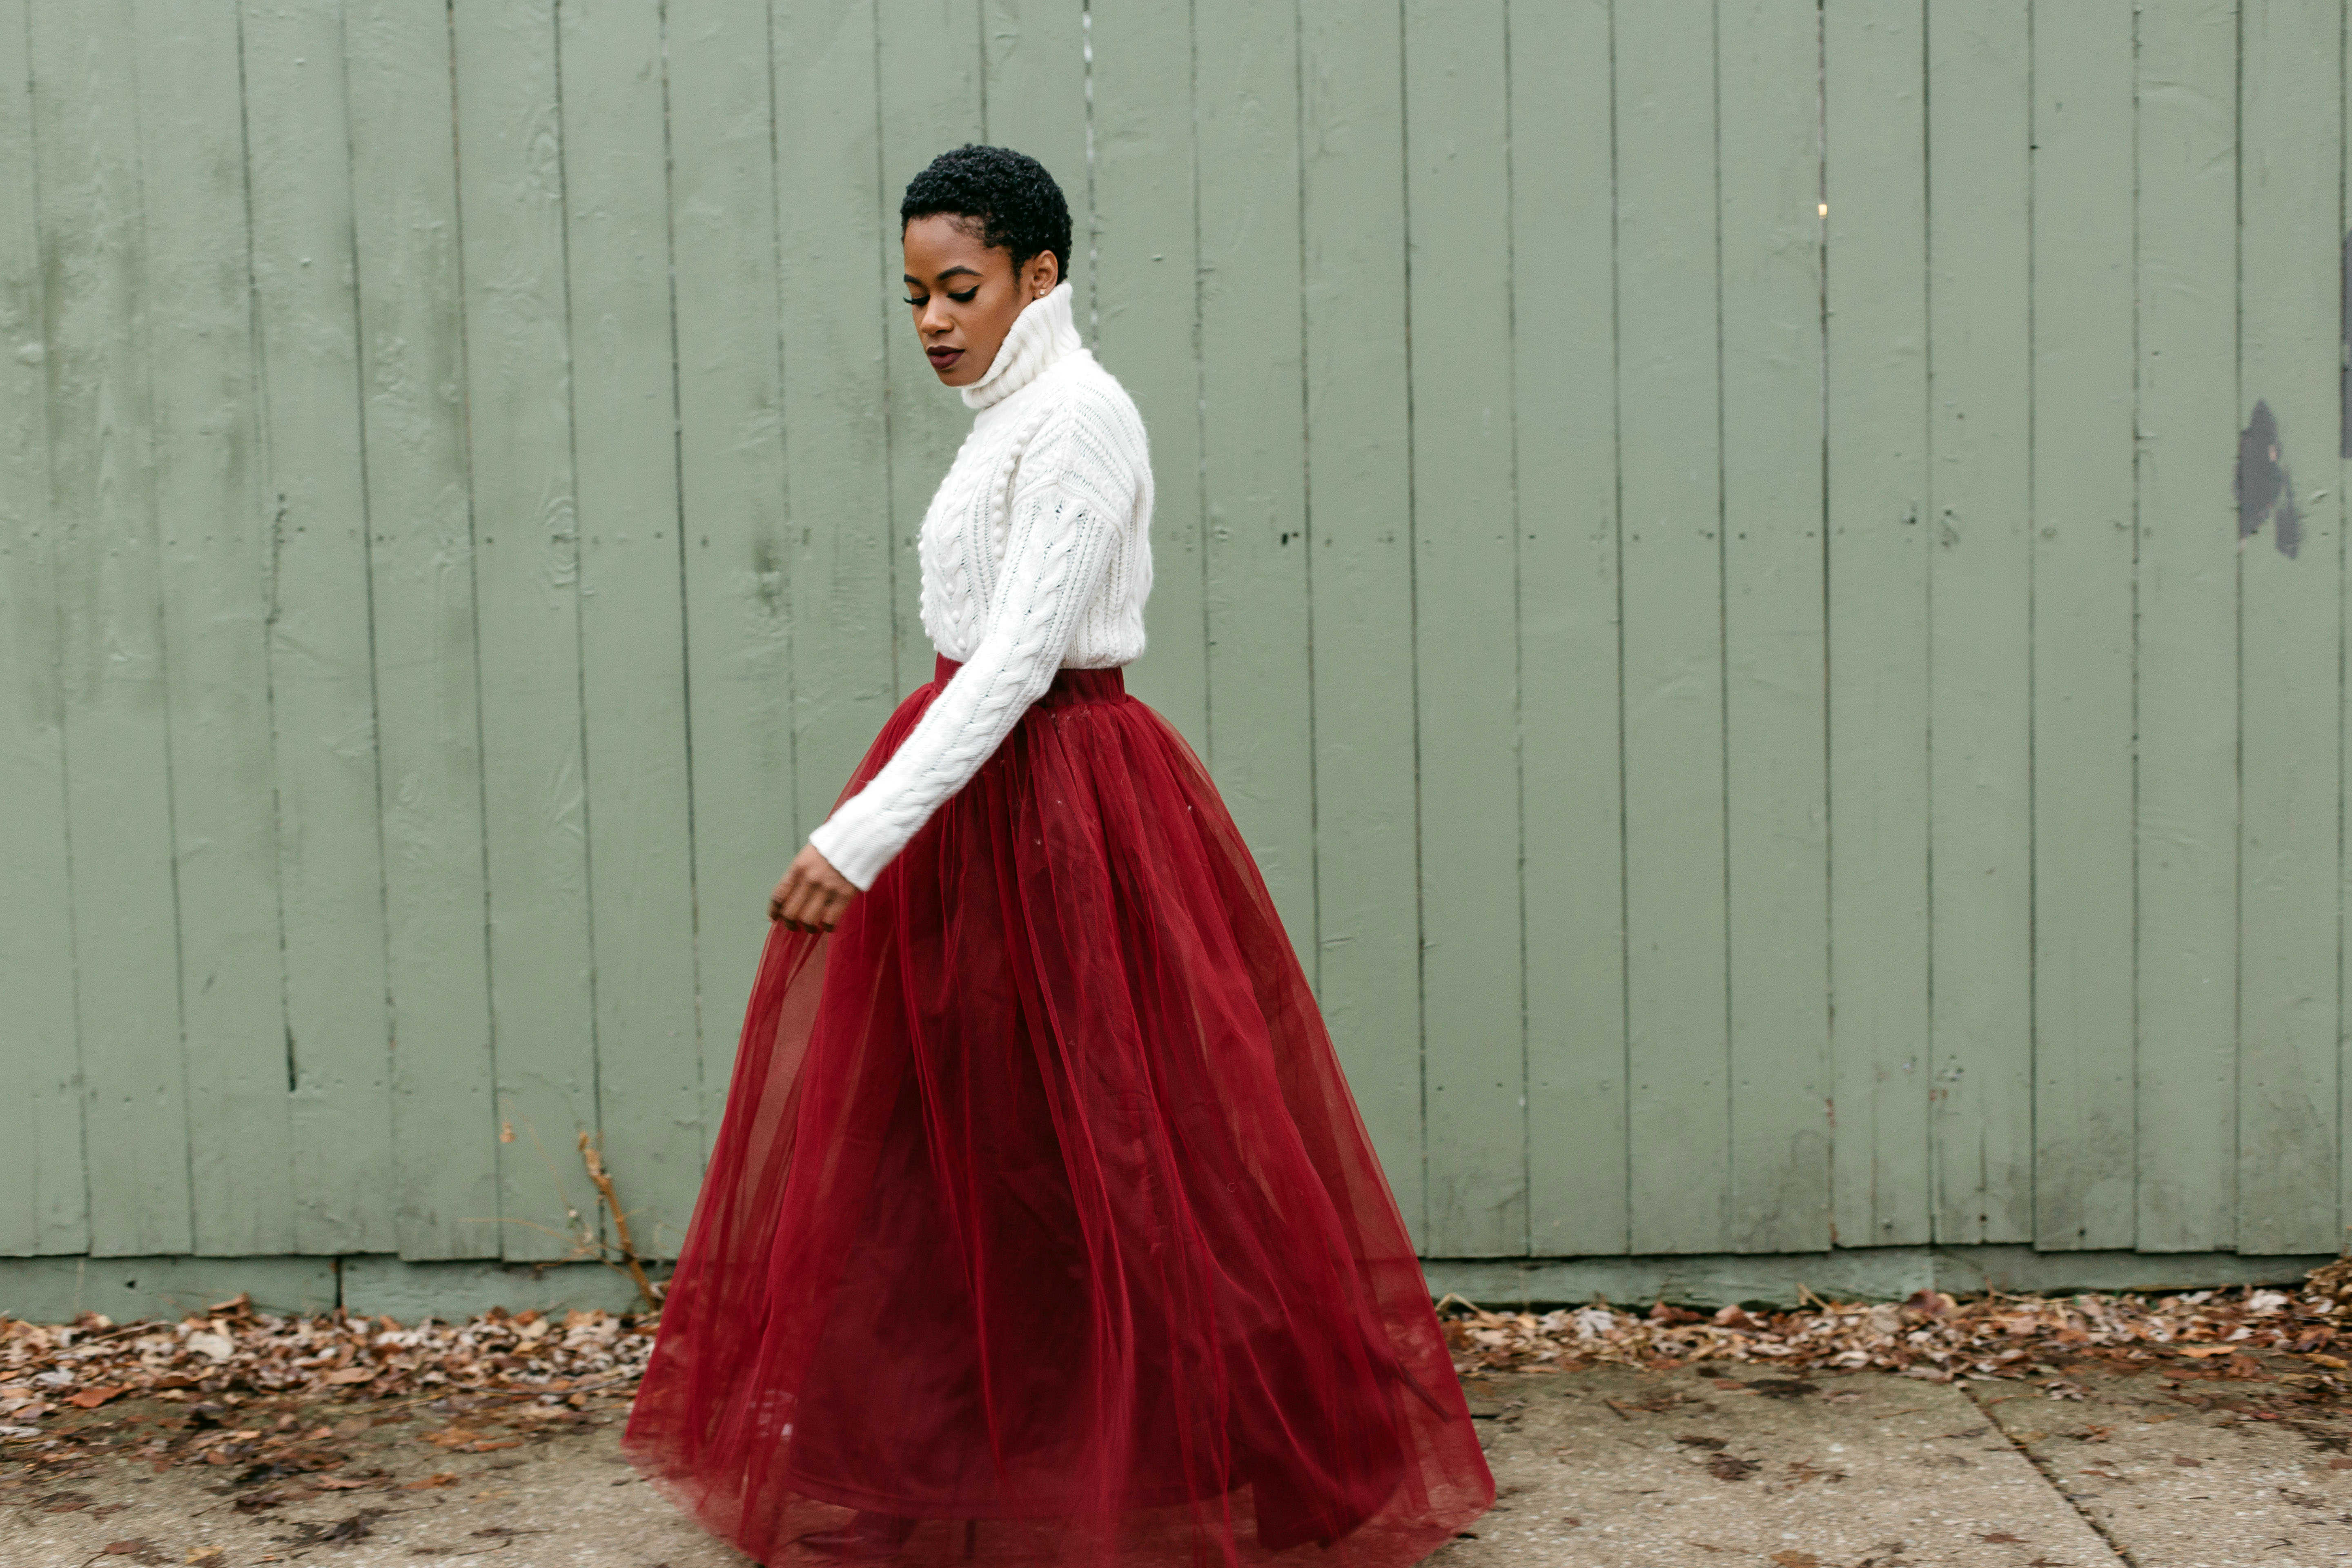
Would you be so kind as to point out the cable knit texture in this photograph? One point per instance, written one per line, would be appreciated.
(1035, 555)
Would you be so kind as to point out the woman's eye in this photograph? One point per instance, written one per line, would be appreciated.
(964, 297)
(918, 304)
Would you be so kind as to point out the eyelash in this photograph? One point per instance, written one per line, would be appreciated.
(963, 299)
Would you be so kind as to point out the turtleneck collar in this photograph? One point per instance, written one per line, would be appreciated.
(1043, 332)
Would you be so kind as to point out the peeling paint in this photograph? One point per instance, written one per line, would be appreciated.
(2265, 489)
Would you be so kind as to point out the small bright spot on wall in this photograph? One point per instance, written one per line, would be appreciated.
(1825, 209)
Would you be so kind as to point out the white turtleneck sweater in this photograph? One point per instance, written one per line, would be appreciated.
(1034, 556)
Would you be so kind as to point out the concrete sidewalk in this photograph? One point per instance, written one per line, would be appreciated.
(1606, 1468)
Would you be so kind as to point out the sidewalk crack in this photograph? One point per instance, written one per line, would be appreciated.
(2050, 1478)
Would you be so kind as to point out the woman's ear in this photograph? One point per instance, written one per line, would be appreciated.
(1043, 272)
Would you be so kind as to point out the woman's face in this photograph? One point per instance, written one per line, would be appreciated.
(966, 294)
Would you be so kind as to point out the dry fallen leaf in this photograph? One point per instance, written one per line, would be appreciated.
(91, 1398)
(1934, 1336)
(439, 1478)
(1796, 1560)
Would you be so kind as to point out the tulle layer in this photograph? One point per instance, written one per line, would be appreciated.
(1040, 1213)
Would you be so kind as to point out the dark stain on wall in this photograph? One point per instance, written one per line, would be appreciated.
(2265, 488)
(2343, 320)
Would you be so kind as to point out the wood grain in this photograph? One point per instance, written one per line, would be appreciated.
(43, 1203)
(2186, 654)
(1359, 512)
(1465, 632)
(1874, 164)
(2085, 371)
(2291, 197)
(510, 196)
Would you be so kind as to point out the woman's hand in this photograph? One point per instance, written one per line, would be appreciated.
(812, 895)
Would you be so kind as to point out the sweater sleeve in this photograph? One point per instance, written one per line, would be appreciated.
(1070, 501)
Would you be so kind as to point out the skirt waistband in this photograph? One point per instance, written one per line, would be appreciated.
(1069, 685)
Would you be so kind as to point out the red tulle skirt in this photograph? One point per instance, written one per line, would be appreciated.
(1040, 1213)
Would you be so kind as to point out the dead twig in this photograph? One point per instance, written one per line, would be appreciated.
(621, 1255)
(630, 1264)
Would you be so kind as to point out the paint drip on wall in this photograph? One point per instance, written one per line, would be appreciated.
(2265, 489)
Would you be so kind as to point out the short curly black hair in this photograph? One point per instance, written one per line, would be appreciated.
(1008, 194)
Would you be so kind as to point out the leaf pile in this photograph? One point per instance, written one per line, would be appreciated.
(1938, 1337)
(49, 1373)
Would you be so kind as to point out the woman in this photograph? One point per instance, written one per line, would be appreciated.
(1041, 1225)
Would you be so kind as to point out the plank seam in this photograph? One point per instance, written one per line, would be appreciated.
(473, 594)
(2033, 128)
(82, 1085)
(1617, 525)
(2238, 612)
(2138, 530)
(1412, 597)
(882, 344)
(580, 656)
(164, 675)
(367, 554)
(1201, 386)
(1519, 600)
(1927, 520)
(1728, 1202)
(1093, 223)
(1829, 707)
(685, 600)
(784, 558)
(1306, 506)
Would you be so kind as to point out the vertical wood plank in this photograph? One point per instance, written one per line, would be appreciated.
(734, 494)
(219, 576)
(1254, 451)
(2084, 376)
(527, 566)
(44, 1206)
(1775, 721)
(1466, 641)
(95, 271)
(421, 573)
(632, 634)
(331, 868)
(2291, 197)
(2344, 731)
(1564, 400)
(1147, 296)
(1980, 627)
(829, 199)
(1358, 488)
(1669, 438)
(1874, 124)
(2187, 654)
(930, 95)
(1034, 93)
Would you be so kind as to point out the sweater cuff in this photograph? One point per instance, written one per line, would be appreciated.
(854, 844)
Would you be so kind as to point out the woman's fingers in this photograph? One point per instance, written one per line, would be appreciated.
(805, 905)
(812, 895)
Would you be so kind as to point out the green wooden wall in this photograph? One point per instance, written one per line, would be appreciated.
(1727, 553)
